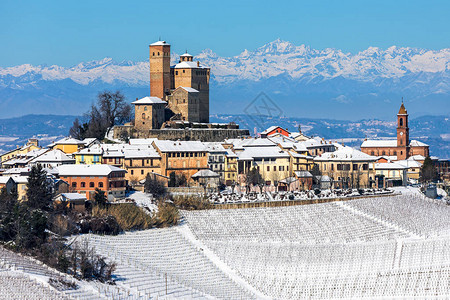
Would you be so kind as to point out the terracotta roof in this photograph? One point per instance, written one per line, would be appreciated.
(402, 110)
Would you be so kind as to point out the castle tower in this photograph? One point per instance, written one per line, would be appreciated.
(159, 69)
(402, 134)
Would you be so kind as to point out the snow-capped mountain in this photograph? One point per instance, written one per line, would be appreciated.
(300, 80)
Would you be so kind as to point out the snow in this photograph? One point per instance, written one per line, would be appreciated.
(379, 143)
(149, 100)
(87, 170)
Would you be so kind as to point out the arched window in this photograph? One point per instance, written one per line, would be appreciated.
(401, 122)
(372, 153)
(383, 153)
(395, 152)
(145, 107)
(143, 115)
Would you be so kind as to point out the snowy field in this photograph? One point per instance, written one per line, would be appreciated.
(388, 247)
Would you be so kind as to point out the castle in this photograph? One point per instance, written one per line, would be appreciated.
(179, 99)
(180, 91)
(400, 149)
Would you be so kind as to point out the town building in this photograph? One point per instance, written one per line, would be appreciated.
(181, 157)
(84, 179)
(347, 167)
(401, 148)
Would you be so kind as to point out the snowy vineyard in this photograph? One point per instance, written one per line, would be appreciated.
(385, 247)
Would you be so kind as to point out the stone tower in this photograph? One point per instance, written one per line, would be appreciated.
(159, 69)
(402, 133)
(188, 73)
(148, 113)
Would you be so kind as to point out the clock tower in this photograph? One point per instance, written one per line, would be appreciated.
(402, 134)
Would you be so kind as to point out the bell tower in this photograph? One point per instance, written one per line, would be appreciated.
(159, 69)
(402, 133)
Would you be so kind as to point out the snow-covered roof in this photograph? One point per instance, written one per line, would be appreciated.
(213, 147)
(87, 170)
(93, 150)
(188, 65)
(160, 43)
(379, 143)
(409, 163)
(251, 153)
(20, 179)
(205, 174)
(188, 89)
(69, 141)
(345, 153)
(389, 166)
(149, 100)
(17, 171)
(272, 128)
(231, 154)
(4, 179)
(417, 157)
(185, 54)
(250, 142)
(180, 146)
(141, 152)
(73, 196)
(53, 156)
(148, 141)
(89, 141)
(416, 143)
(303, 174)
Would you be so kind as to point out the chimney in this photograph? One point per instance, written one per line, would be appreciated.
(198, 63)
(137, 99)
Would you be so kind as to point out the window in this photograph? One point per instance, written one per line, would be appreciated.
(143, 115)
(100, 184)
(74, 184)
(365, 167)
(383, 153)
(132, 172)
(268, 168)
(83, 184)
(142, 172)
(153, 53)
(401, 122)
(274, 168)
(372, 153)
(176, 72)
(355, 167)
(91, 184)
(145, 107)
(395, 152)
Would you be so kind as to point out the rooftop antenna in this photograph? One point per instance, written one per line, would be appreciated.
(402, 100)
(160, 38)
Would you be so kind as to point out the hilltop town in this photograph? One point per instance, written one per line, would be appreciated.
(168, 205)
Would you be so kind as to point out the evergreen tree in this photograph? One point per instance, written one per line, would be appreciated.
(428, 170)
(39, 193)
(100, 197)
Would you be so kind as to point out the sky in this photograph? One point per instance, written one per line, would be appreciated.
(68, 32)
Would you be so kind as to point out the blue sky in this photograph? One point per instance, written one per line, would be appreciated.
(68, 32)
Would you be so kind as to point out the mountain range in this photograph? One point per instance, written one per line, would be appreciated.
(297, 80)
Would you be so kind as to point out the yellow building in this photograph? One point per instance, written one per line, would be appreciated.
(231, 168)
(21, 187)
(347, 167)
(89, 156)
(68, 145)
(30, 146)
(140, 162)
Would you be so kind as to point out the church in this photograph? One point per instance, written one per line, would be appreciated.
(400, 149)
